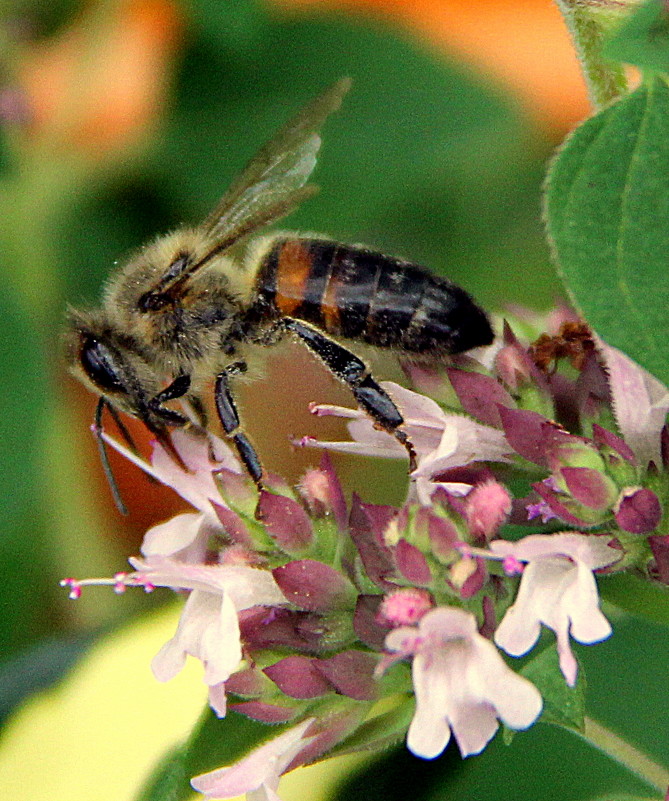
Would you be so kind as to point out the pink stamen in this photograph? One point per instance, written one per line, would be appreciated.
(512, 567)
(120, 583)
(75, 588)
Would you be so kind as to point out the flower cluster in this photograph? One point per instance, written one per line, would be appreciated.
(306, 609)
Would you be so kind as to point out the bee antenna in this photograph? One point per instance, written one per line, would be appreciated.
(104, 455)
(123, 429)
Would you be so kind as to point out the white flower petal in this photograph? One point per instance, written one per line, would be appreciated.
(558, 589)
(169, 661)
(568, 663)
(218, 700)
(247, 586)
(166, 539)
(464, 441)
(220, 647)
(429, 732)
(259, 771)
(461, 684)
(440, 440)
(423, 489)
(640, 403)
(417, 409)
(264, 793)
(474, 725)
(588, 624)
(517, 700)
(208, 628)
(197, 484)
(594, 551)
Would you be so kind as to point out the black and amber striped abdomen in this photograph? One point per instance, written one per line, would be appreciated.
(355, 293)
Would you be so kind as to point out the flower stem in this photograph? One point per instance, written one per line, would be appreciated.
(589, 21)
(626, 754)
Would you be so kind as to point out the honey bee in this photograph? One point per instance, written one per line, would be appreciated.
(183, 311)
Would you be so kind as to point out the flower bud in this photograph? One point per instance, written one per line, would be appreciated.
(404, 607)
(487, 507)
(638, 510)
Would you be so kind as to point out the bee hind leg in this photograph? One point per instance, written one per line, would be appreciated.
(227, 413)
(353, 371)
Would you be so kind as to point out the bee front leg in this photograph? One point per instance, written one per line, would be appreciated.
(353, 371)
(177, 389)
(227, 413)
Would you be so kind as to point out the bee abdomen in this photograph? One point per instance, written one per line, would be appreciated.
(355, 293)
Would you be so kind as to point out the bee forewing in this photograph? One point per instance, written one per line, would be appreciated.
(268, 188)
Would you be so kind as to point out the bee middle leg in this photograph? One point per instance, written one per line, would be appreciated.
(227, 413)
(353, 371)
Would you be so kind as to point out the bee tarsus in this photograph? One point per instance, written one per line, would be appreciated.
(229, 417)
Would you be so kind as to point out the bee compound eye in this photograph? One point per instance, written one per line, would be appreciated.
(98, 364)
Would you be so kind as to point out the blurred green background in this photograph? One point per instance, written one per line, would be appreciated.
(121, 120)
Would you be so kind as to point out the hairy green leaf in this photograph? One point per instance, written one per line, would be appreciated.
(643, 39)
(607, 210)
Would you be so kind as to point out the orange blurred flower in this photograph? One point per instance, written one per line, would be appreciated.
(99, 83)
(523, 43)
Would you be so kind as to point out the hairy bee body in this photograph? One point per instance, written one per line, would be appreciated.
(184, 311)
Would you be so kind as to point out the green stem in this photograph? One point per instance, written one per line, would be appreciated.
(589, 22)
(627, 755)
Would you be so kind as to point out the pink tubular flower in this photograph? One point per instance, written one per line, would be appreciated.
(258, 773)
(557, 589)
(461, 684)
(208, 628)
(441, 440)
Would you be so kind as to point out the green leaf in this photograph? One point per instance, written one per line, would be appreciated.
(637, 595)
(643, 39)
(233, 26)
(380, 731)
(625, 797)
(38, 667)
(607, 210)
(24, 565)
(214, 743)
(563, 705)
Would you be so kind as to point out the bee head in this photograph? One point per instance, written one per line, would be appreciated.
(108, 363)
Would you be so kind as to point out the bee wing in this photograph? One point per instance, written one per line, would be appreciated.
(271, 185)
(274, 182)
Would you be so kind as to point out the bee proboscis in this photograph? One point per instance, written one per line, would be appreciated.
(182, 311)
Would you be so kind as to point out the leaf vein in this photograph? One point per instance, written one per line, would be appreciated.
(622, 280)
